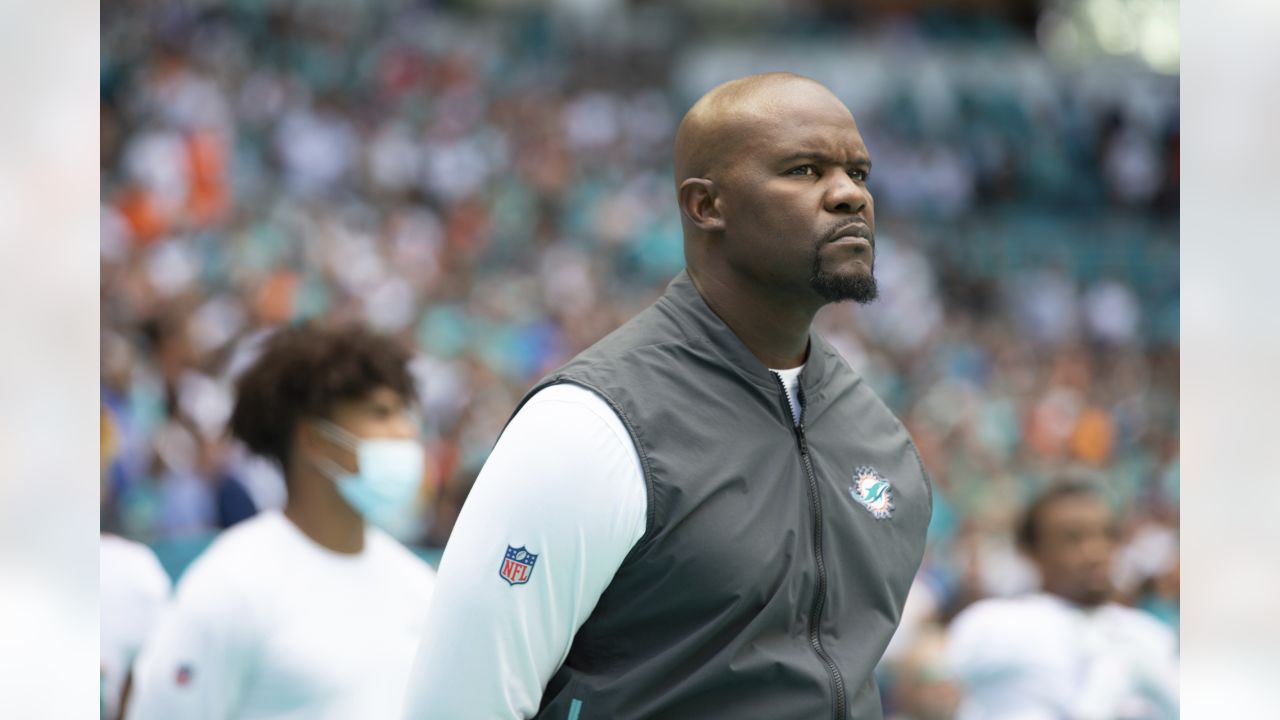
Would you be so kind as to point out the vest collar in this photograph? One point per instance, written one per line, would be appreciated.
(701, 324)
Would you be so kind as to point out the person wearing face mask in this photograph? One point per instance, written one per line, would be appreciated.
(312, 612)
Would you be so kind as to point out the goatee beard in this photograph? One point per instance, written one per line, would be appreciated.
(833, 287)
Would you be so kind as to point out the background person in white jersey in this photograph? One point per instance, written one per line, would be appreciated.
(1067, 652)
(133, 588)
(311, 613)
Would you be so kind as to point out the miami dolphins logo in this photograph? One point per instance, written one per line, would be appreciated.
(872, 492)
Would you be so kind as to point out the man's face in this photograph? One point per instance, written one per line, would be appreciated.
(1074, 544)
(381, 414)
(799, 218)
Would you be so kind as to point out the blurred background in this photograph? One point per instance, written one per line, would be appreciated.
(491, 182)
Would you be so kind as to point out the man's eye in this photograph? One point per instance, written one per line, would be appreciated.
(859, 175)
(803, 170)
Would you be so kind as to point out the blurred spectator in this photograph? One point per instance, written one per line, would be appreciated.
(133, 589)
(313, 611)
(1068, 651)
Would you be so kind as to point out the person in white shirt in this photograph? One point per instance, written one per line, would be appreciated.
(1067, 652)
(313, 612)
(132, 589)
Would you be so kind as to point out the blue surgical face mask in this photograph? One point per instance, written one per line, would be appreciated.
(388, 472)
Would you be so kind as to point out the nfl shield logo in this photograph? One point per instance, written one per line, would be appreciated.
(517, 566)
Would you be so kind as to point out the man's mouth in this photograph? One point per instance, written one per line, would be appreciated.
(854, 234)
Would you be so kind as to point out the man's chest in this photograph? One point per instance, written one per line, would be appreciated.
(331, 650)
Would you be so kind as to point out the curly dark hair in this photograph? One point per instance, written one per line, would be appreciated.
(303, 371)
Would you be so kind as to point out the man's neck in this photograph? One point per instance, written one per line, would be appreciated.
(326, 519)
(1083, 606)
(775, 331)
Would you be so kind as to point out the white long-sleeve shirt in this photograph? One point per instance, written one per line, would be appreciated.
(1040, 657)
(565, 484)
(268, 624)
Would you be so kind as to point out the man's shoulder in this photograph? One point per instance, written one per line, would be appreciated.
(1141, 625)
(653, 328)
(397, 559)
(116, 550)
(577, 401)
(244, 535)
(230, 558)
(1005, 614)
(131, 564)
(661, 321)
(997, 630)
(986, 609)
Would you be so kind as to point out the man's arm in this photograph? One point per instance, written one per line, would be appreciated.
(563, 485)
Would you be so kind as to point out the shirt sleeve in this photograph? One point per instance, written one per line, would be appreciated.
(565, 486)
(194, 664)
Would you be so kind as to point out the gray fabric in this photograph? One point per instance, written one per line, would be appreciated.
(709, 615)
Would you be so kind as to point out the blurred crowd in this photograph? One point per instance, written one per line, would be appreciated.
(498, 194)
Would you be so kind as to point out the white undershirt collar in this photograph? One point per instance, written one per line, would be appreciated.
(791, 381)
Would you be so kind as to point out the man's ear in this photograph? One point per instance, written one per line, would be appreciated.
(699, 202)
(306, 437)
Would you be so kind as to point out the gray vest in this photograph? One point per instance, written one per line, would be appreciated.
(775, 560)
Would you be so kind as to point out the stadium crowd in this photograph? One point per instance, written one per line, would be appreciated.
(498, 196)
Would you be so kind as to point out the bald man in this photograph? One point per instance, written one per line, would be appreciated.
(707, 514)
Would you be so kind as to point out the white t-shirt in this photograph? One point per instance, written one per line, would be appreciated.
(1039, 656)
(133, 588)
(564, 483)
(269, 624)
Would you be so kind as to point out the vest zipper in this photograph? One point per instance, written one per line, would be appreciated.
(815, 505)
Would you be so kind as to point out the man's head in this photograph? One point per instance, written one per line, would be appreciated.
(310, 379)
(771, 177)
(1070, 534)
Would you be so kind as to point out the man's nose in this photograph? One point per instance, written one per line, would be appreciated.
(1097, 550)
(846, 195)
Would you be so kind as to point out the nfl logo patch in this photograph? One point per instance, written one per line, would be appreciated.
(184, 675)
(872, 492)
(517, 566)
